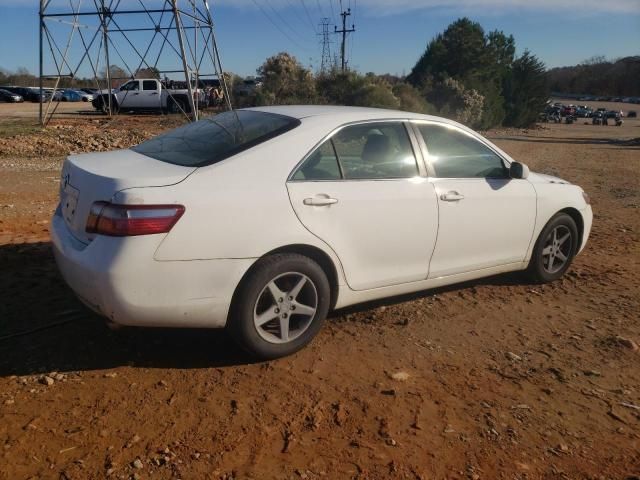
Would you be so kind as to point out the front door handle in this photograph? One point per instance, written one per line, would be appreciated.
(451, 197)
(320, 201)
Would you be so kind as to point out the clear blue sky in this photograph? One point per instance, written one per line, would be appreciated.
(390, 36)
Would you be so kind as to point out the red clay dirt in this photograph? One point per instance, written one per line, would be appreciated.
(494, 379)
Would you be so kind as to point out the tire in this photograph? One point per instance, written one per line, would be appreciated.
(176, 105)
(259, 311)
(552, 256)
(104, 105)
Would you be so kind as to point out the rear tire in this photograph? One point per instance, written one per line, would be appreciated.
(280, 307)
(177, 105)
(554, 250)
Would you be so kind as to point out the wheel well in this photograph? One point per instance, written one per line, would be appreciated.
(577, 217)
(313, 253)
(322, 259)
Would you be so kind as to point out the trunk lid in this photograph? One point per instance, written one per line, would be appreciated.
(91, 177)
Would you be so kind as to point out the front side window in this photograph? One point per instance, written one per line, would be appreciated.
(216, 138)
(130, 86)
(454, 154)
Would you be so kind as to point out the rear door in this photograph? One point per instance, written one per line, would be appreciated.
(150, 95)
(364, 192)
(486, 218)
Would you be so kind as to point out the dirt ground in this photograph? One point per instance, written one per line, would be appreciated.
(495, 379)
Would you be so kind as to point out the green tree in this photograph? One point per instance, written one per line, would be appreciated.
(411, 100)
(285, 81)
(351, 88)
(526, 90)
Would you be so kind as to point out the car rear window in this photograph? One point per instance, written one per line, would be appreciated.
(215, 138)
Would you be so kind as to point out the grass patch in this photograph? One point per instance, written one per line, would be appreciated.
(18, 126)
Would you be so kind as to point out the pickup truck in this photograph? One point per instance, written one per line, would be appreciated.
(146, 94)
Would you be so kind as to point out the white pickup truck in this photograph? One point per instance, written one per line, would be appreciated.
(146, 94)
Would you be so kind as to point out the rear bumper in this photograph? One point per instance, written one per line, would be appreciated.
(119, 279)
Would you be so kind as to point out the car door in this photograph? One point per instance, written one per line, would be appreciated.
(364, 192)
(150, 95)
(486, 218)
(129, 93)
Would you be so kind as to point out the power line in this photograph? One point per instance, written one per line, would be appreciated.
(284, 21)
(283, 32)
(299, 15)
(308, 14)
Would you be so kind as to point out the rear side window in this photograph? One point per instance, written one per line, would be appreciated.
(454, 154)
(149, 85)
(375, 151)
(321, 165)
(215, 138)
(362, 152)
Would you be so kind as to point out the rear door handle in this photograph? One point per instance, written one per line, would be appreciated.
(320, 201)
(451, 197)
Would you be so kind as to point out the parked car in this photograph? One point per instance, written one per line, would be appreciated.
(70, 95)
(262, 220)
(584, 112)
(91, 91)
(247, 87)
(632, 114)
(27, 93)
(7, 96)
(147, 94)
(568, 110)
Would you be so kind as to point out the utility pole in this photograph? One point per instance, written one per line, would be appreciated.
(326, 46)
(344, 32)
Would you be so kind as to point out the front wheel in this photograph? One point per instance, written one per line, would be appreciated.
(555, 249)
(281, 306)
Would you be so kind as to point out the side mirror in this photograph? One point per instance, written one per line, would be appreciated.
(518, 170)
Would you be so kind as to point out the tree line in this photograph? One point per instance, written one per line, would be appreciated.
(599, 76)
(464, 73)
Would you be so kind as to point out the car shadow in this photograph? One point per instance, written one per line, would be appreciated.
(44, 328)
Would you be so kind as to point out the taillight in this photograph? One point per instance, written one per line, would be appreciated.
(130, 220)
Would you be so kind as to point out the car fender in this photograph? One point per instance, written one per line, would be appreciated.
(553, 197)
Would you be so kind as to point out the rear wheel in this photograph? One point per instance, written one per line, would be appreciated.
(177, 105)
(281, 306)
(554, 250)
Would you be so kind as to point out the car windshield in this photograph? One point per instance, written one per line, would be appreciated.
(215, 138)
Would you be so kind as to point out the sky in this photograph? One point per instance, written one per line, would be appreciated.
(390, 35)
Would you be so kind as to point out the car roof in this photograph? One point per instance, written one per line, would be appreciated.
(344, 113)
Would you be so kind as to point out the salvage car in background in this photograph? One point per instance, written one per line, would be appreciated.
(262, 220)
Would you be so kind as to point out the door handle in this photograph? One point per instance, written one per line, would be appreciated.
(320, 201)
(451, 197)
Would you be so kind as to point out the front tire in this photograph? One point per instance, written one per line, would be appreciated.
(555, 249)
(280, 307)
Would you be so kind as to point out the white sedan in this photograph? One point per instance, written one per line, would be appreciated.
(262, 220)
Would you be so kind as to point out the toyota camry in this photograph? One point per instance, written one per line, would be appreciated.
(263, 220)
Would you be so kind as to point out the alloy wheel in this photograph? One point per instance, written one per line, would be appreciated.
(557, 249)
(285, 308)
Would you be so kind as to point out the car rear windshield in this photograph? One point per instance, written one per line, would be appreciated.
(215, 138)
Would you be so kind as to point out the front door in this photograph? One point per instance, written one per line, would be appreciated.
(129, 93)
(363, 193)
(486, 218)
